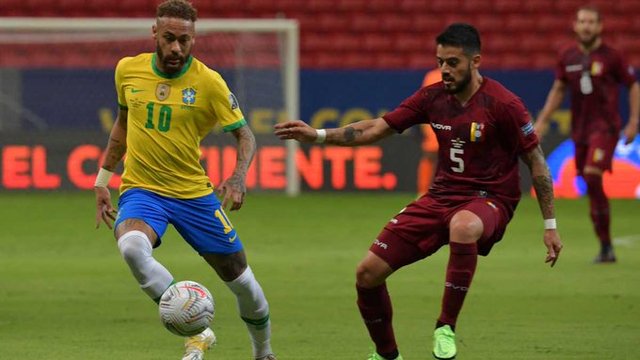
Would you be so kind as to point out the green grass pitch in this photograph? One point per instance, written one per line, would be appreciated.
(66, 294)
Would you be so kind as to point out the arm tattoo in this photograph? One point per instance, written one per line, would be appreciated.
(246, 150)
(542, 181)
(115, 151)
(350, 135)
(117, 145)
(544, 190)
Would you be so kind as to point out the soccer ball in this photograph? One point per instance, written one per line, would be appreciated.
(186, 308)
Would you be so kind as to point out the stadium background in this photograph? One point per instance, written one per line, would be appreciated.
(358, 59)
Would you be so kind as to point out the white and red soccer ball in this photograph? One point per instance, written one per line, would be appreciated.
(186, 308)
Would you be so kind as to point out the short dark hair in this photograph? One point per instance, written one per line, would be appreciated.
(590, 8)
(180, 9)
(461, 35)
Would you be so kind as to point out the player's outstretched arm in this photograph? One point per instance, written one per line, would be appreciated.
(233, 189)
(543, 184)
(359, 133)
(554, 99)
(116, 148)
(631, 129)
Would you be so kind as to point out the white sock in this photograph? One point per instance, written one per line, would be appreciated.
(136, 249)
(254, 310)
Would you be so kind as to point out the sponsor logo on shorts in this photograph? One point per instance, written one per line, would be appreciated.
(456, 287)
(381, 244)
(393, 221)
(598, 155)
(233, 238)
(492, 205)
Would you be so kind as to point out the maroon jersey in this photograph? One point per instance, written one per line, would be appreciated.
(479, 143)
(594, 81)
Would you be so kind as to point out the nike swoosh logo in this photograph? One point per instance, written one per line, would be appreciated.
(232, 239)
(133, 91)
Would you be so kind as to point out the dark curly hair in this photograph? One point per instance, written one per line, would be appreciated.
(180, 9)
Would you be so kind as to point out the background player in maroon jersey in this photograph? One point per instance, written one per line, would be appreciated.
(592, 72)
(482, 130)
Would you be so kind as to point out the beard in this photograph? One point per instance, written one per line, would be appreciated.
(171, 63)
(588, 40)
(458, 86)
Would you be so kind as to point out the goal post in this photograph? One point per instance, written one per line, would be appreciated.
(259, 58)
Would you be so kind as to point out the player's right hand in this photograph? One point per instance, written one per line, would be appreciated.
(104, 210)
(295, 130)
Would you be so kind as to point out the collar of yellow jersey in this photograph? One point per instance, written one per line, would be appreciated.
(162, 74)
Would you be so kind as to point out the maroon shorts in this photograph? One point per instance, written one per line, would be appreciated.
(422, 228)
(598, 152)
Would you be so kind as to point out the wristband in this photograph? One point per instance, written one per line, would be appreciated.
(321, 135)
(549, 224)
(102, 180)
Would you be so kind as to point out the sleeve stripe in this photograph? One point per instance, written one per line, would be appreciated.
(236, 125)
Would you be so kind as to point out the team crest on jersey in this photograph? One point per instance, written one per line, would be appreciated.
(189, 96)
(163, 91)
(233, 101)
(596, 68)
(475, 135)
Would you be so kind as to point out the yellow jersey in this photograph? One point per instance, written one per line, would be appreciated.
(168, 115)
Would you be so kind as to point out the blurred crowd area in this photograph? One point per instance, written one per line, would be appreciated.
(384, 34)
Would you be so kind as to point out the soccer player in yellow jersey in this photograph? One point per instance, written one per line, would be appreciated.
(168, 102)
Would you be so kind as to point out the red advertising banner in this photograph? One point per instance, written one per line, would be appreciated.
(70, 161)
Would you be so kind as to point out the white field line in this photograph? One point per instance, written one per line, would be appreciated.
(628, 241)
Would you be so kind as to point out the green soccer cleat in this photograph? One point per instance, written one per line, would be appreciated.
(375, 356)
(195, 346)
(444, 343)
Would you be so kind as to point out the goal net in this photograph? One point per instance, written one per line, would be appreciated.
(56, 85)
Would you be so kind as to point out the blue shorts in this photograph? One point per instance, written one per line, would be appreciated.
(201, 221)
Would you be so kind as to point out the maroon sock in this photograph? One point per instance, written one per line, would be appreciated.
(462, 265)
(599, 209)
(376, 311)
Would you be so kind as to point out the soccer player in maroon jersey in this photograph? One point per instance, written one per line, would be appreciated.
(592, 71)
(482, 130)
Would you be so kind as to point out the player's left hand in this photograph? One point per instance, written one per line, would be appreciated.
(630, 132)
(231, 192)
(553, 244)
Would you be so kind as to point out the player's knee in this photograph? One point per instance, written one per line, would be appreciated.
(134, 246)
(465, 228)
(366, 277)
